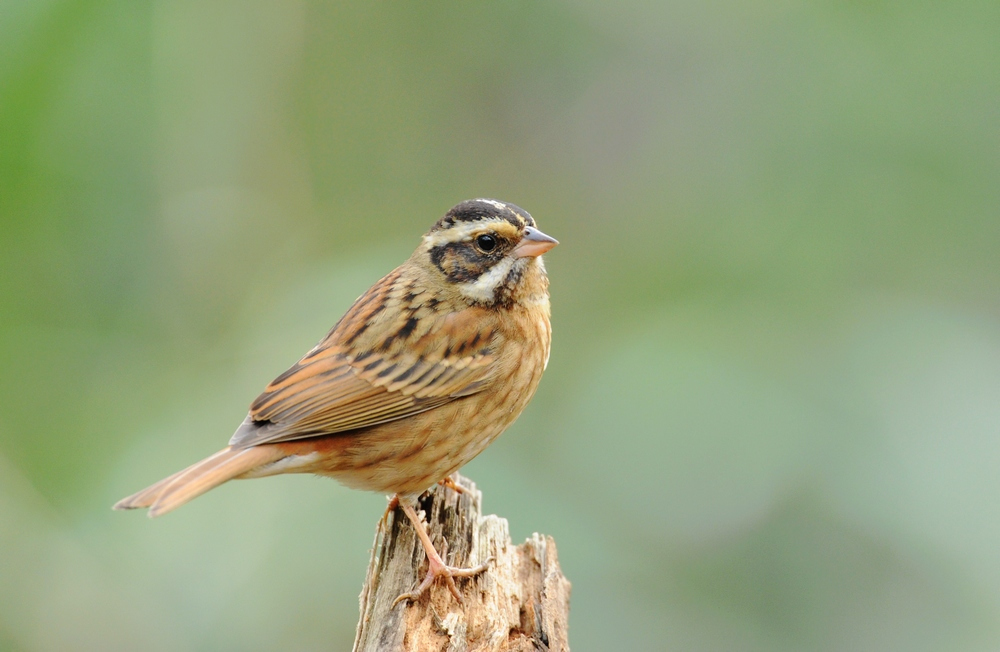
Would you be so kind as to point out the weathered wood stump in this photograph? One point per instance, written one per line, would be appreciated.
(520, 603)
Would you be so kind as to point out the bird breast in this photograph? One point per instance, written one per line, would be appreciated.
(409, 455)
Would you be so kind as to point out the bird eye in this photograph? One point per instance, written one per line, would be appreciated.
(486, 242)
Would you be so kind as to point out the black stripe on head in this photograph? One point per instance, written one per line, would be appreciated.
(475, 210)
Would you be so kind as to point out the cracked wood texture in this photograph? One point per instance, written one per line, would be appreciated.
(520, 603)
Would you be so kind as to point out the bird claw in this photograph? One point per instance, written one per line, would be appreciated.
(435, 564)
(436, 569)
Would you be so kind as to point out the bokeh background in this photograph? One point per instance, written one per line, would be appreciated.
(771, 420)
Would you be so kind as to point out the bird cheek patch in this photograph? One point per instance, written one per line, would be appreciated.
(458, 261)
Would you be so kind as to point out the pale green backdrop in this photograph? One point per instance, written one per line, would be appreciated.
(771, 420)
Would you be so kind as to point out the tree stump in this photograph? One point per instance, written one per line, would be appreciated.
(520, 603)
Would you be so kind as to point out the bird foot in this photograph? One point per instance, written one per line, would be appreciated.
(451, 484)
(435, 569)
(435, 564)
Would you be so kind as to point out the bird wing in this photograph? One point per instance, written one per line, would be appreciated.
(390, 357)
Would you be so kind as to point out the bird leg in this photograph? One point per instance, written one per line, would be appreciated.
(451, 484)
(393, 504)
(447, 482)
(435, 565)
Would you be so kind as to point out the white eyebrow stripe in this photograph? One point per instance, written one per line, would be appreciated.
(460, 232)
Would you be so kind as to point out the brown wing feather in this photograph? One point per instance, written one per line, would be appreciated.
(365, 372)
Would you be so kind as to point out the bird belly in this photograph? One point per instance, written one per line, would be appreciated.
(410, 455)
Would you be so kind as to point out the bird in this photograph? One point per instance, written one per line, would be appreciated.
(419, 376)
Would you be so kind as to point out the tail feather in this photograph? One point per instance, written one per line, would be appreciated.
(186, 485)
(148, 496)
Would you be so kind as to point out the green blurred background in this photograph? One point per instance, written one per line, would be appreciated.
(771, 420)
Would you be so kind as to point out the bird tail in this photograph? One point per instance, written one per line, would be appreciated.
(172, 492)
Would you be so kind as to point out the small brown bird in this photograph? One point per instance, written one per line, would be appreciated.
(424, 371)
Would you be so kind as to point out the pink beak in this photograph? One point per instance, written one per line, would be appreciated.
(533, 243)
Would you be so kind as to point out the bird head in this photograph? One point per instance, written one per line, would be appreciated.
(488, 251)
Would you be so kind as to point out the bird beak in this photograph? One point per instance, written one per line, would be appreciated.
(533, 243)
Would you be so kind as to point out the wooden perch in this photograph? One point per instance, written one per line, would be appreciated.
(520, 603)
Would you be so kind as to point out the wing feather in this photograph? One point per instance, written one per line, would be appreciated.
(367, 370)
